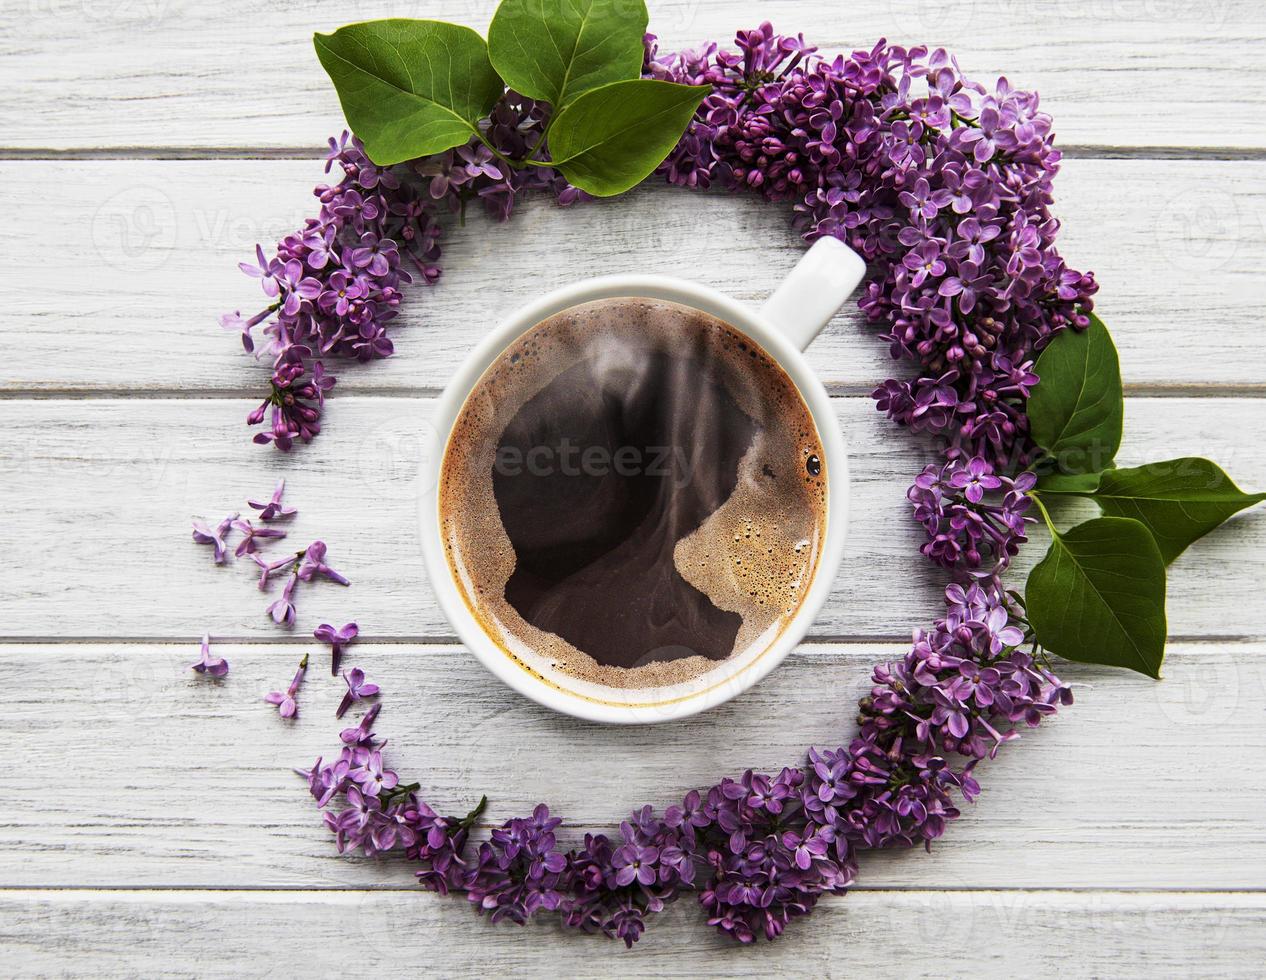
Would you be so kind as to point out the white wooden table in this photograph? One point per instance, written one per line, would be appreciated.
(148, 823)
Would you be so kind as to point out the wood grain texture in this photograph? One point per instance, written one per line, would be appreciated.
(102, 492)
(170, 779)
(893, 934)
(1178, 247)
(175, 73)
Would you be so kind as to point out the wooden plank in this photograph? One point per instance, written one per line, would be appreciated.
(893, 934)
(169, 779)
(154, 245)
(180, 74)
(99, 495)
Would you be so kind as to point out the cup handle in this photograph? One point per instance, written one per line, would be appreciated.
(814, 290)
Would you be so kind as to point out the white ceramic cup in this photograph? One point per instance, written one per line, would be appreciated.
(784, 325)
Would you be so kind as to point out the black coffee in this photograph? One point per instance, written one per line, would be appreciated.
(632, 493)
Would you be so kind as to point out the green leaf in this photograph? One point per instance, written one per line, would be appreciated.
(1082, 484)
(409, 88)
(1077, 408)
(1098, 596)
(556, 49)
(611, 138)
(1178, 501)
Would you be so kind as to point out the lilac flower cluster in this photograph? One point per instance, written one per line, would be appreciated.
(334, 286)
(944, 186)
(959, 694)
(379, 814)
(771, 855)
(759, 850)
(519, 870)
(613, 885)
(965, 530)
(940, 183)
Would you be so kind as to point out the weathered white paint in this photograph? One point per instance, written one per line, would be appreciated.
(878, 934)
(1178, 245)
(107, 488)
(165, 778)
(176, 73)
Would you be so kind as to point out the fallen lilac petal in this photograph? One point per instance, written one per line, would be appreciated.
(283, 610)
(357, 690)
(272, 509)
(361, 734)
(211, 666)
(313, 564)
(337, 639)
(285, 701)
(203, 534)
(250, 535)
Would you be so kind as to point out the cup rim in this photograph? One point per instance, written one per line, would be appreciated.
(742, 317)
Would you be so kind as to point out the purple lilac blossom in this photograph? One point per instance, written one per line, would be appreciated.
(941, 184)
(361, 733)
(964, 531)
(334, 286)
(759, 850)
(273, 509)
(203, 533)
(269, 568)
(357, 690)
(312, 563)
(770, 861)
(338, 640)
(208, 665)
(518, 871)
(287, 707)
(251, 536)
(282, 610)
(614, 884)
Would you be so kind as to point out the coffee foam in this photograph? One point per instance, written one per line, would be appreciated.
(754, 556)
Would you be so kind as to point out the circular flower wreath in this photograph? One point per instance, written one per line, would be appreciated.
(944, 186)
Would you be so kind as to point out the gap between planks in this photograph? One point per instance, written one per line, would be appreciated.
(1143, 390)
(441, 640)
(1069, 151)
(326, 890)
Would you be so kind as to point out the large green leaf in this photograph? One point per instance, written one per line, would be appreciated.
(556, 49)
(1076, 410)
(611, 138)
(1098, 596)
(409, 88)
(1179, 500)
